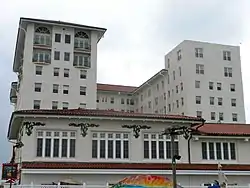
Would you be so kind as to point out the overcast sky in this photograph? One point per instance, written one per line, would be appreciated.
(139, 33)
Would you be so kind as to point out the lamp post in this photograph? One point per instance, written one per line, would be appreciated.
(173, 132)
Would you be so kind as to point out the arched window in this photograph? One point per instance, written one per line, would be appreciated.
(42, 36)
(82, 40)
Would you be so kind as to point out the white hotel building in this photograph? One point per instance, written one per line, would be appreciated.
(56, 63)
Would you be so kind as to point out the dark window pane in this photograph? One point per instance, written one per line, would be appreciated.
(57, 37)
(204, 150)
(232, 151)
(211, 150)
(102, 148)
(64, 147)
(146, 150)
(118, 149)
(56, 148)
(94, 148)
(225, 151)
(218, 151)
(168, 150)
(47, 147)
(110, 149)
(161, 149)
(39, 149)
(125, 149)
(67, 39)
(153, 150)
(72, 149)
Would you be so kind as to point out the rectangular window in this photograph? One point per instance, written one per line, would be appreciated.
(54, 105)
(82, 105)
(57, 37)
(199, 69)
(41, 56)
(173, 75)
(232, 87)
(39, 70)
(219, 86)
(233, 102)
(234, 117)
(220, 101)
(199, 52)
(38, 87)
(83, 74)
(198, 99)
(211, 85)
(56, 71)
(65, 105)
(163, 151)
(177, 89)
(227, 55)
(228, 72)
(65, 89)
(66, 56)
(52, 147)
(177, 103)
(36, 104)
(179, 55)
(82, 90)
(112, 100)
(179, 71)
(218, 151)
(182, 101)
(56, 55)
(81, 61)
(197, 84)
(199, 114)
(67, 39)
(212, 115)
(55, 88)
(211, 100)
(181, 86)
(110, 145)
(221, 116)
(66, 73)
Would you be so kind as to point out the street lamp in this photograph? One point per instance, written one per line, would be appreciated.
(173, 132)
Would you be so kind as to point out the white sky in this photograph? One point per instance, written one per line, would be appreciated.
(139, 33)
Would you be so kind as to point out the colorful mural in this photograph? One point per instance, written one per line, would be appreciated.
(145, 181)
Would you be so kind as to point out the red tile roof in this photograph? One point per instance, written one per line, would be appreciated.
(134, 166)
(225, 129)
(107, 113)
(116, 88)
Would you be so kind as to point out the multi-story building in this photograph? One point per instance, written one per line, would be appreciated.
(56, 63)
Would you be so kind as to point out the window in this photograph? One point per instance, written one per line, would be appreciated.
(66, 56)
(212, 115)
(56, 71)
(168, 78)
(158, 146)
(65, 105)
(110, 145)
(220, 101)
(228, 72)
(199, 52)
(38, 87)
(122, 100)
(218, 151)
(82, 105)
(82, 40)
(180, 71)
(219, 86)
(164, 96)
(173, 75)
(169, 107)
(176, 89)
(83, 74)
(112, 100)
(67, 39)
(162, 84)
(199, 69)
(42, 36)
(232, 87)
(182, 101)
(65, 89)
(177, 103)
(57, 37)
(179, 55)
(132, 102)
(211, 100)
(56, 55)
(54, 105)
(234, 117)
(81, 60)
(181, 86)
(221, 116)
(39, 70)
(168, 94)
(82, 90)
(233, 102)
(211, 85)
(156, 100)
(41, 56)
(149, 104)
(199, 114)
(227, 55)
(56, 144)
(55, 88)
(66, 73)
(198, 99)
(197, 84)
(36, 104)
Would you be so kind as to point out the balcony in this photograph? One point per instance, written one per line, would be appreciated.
(81, 61)
(42, 41)
(13, 92)
(82, 46)
(41, 57)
